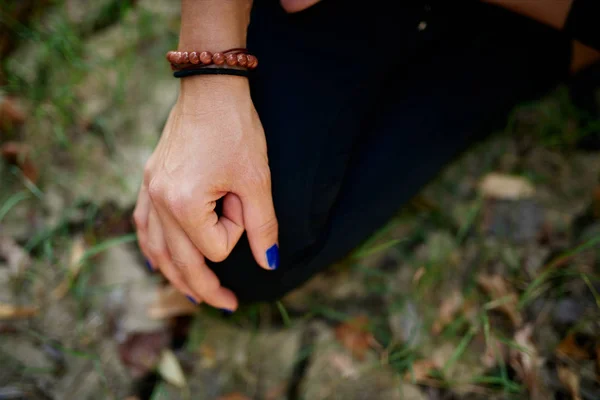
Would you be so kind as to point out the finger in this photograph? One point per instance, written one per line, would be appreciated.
(160, 253)
(214, 236)
(140, 219)
(191, 264)
(293, 6)
(262, 227)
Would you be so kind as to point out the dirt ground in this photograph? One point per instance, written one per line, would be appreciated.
(485, 286)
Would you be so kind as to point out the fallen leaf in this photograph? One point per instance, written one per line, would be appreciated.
(234, 396)
(19, 154)
(421, 371)
(170, 370)
(344, 364)
(451, 305)
(170, 303)
(355, 336)
(16, 258)
(73, 268)
(570, 348)
(570, 380)
(141, 351)
(507, 187)
(525, 360)
(9, 311)
(507, 300)
(11, 114)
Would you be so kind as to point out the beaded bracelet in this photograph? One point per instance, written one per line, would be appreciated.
(232, 57)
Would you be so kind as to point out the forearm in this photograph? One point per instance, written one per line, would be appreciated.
(550, 12)
(213, 25)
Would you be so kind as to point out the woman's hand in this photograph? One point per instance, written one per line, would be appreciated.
(213, 146)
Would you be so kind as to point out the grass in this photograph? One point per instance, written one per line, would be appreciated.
(67, 138)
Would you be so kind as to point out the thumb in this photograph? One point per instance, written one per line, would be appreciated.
(261, 227)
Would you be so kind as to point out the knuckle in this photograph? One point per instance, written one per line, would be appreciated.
(178, 202)
(157, 190)
(139, 219)
(267, 229)
(148, 173)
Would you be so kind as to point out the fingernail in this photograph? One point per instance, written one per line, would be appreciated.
(190, 298)
(149, 266)
(226, 312)
(273, 256)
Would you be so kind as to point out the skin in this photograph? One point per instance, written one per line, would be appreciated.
(213, 146)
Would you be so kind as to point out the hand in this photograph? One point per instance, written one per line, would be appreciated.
(213, 146)
(293, 6)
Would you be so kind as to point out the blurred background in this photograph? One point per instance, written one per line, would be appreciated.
(486, 286)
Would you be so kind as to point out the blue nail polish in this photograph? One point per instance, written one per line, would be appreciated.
(149, 266)
(273, 256)
(226, 312)
(190, 298)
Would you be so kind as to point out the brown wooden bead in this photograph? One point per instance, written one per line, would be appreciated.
(218, 58)
(185, 57)
(177, 58)
(206, 57)
(194, 59)
(242, 60)
(252, 61)
(231, 59)
(169, 55)
(172, 57)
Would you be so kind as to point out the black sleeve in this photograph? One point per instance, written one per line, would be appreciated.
(583, 22)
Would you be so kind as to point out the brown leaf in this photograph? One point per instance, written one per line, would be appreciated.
(507, 187)
(73, 269)
(19, 154)
(570, 380)
(450, 306)
(11, 114)
(525, 360)
(570, 348)
(141, 351)
(9, 311)
(498, 289)
(354, 336)
(234, 396)
(170, 303)
(421, 371)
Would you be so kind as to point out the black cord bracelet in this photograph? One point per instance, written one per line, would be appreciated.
(210, 71)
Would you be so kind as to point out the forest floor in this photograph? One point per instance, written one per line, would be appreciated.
(486, 286)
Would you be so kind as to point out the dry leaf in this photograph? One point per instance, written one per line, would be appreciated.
(141, 351)
(234, 396)
(73, 269)
(170, 370)
(16, 258)
(569, 348)
(19, 154)
(498, 289)
(9, 311)
(450, 306)
(354, 335)
(570, 380)
(526, 361)
(506, 187)
(344, 364)
(421, 370)
(11, 113)
(170, 303)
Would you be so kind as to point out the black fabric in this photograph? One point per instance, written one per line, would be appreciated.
(362, 105)
(583, 22)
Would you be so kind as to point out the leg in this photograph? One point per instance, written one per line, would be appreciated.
(347, 159)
